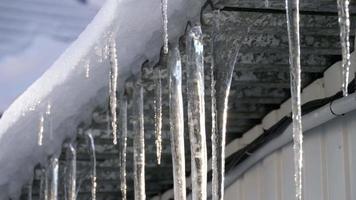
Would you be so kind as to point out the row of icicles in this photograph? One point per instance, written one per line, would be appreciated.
(196, 115)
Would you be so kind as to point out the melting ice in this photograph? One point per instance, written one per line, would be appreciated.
(123, 130)
(139, 143)
(113, 87)
(158, 114)
(45, 121)
(177, 123)
(40, 131)
(196, 112)
(344, 22)
(164, 8)
(93, 166)
(72, 171)
(54, 180)
(292, 7)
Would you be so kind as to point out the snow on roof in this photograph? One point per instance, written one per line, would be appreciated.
(138, 31)
(33, 34)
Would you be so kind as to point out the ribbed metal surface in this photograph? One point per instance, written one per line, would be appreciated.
(329, 167)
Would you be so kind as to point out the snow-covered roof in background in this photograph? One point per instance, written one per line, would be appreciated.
(33, 33)
(137, 27)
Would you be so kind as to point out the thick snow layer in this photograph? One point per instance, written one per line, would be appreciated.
(72, 96)
(33, 40)
(16, 75)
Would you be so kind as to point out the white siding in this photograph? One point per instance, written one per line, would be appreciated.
(329, 167)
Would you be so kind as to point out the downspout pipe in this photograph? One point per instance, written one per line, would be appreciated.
(311, 120)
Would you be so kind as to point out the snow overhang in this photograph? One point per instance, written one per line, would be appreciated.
(137, 29)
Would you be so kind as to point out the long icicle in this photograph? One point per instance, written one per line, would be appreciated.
(164, 9)
(177, 123)
(215, 179)
(123, 129)
(196, 112)
(158, 84)
(113, 87)
(292, 7)
(93, 167)
(222, 90)
(72, 171)
(40, 131)
(344, 23)
(54, 181)
(158, 113)
(49, 120)
(217, 134)
(139, 143)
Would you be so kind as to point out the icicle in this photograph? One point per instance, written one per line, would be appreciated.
(105, 51)
(54, 181)
(139, 144)
(45, 186)
(217, 180)
(213, 81)
(48, 120)
(45, 123)
(222, 90)
(40, 131)
(292, 7)
(29, 190)
(158, 114)
(267, 3)
(177, 123)
(93, 160)
(71, 171)
(42, 185)
(42, 123)
(344, 22)
(164, 8)
(123, 129)
(196, 112)
(113, 88)
(65, 181)
(87, 69)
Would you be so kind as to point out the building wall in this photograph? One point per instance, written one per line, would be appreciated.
(329, 167)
